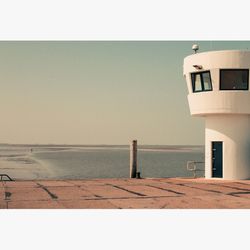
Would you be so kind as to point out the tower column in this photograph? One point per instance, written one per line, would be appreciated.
(233, 131)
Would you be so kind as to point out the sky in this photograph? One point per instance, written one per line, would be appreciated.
(99, 92)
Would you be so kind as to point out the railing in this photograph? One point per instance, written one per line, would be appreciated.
(5, 175)
(191, 166)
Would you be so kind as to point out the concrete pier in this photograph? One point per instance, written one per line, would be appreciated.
(125, 193)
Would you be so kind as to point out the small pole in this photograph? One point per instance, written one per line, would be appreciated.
(133, 159)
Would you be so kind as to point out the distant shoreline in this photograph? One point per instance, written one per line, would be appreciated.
(142, 148)
(98, 145)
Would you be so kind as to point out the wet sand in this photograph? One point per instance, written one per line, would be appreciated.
(148, 193)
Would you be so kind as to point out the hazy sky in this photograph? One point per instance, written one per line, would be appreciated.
(98, 92)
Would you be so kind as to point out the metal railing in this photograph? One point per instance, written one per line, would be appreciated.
(5, 175)
(192, 166)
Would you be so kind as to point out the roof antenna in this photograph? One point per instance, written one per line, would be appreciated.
(195, 48)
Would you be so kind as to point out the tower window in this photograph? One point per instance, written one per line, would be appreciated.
(234, 79)
(201, 81)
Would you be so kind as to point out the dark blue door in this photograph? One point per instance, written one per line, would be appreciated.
(217, 151)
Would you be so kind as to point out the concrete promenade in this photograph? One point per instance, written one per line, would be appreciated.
(125, 193)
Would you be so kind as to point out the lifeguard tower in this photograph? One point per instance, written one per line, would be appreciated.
(218, 86)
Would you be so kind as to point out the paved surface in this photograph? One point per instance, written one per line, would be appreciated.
(125, 193)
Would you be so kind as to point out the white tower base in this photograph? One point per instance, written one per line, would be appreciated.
(234, 133)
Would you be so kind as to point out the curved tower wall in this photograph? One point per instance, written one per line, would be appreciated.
(226, 113)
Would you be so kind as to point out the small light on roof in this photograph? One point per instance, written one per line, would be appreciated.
(195, 48)
(197, 66)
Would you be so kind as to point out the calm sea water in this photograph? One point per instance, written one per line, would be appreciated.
(79, 162)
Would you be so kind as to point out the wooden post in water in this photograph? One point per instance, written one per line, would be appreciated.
(133, 159)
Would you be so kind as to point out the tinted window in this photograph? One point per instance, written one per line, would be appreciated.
(234, 79)
(201, 81)
(207, 81)
(197, 80)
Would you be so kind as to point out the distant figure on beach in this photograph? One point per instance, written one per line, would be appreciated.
(31, 150)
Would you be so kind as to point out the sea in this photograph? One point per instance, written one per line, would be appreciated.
(29, 162)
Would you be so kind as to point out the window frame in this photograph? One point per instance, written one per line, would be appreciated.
(235, 70)
(193, 74)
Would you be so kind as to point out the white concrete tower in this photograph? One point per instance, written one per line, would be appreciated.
(218, 86)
